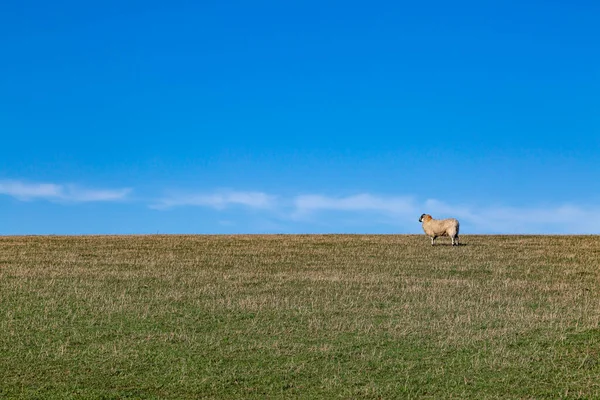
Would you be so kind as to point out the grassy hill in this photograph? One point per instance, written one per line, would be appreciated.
(309, 316)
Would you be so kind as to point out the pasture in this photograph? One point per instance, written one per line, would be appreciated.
(299, 316)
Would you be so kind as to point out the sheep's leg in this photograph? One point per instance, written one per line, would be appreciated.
(432, 240)
(457, 242)
(453, 241)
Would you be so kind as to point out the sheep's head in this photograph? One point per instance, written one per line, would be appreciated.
(425, 218)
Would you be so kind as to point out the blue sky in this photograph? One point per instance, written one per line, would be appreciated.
(299, 116)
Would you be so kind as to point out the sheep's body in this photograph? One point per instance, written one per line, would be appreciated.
(440, 227)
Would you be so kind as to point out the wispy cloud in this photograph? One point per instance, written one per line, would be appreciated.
(364, 212)
(562, 218)
(542, 219)
(29, 191)
(219, 200)
(402, 211)
(371, 212)
(308, 204)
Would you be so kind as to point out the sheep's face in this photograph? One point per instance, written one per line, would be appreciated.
(425, 218)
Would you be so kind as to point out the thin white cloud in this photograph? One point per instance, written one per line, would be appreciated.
(559, 219)
(76, 194)
(29, 191)
(565, 218)
(307, 204)
(365, 211)
(219, 201)
(545, 219)
(403, 212)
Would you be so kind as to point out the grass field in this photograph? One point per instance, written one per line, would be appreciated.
(299, 316)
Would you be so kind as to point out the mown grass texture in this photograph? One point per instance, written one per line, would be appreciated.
(299, 316)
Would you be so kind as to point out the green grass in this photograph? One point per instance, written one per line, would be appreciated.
(299, 316)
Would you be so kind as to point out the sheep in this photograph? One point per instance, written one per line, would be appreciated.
(440, 227)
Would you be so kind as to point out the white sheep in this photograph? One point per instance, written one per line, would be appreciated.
(440, 227)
